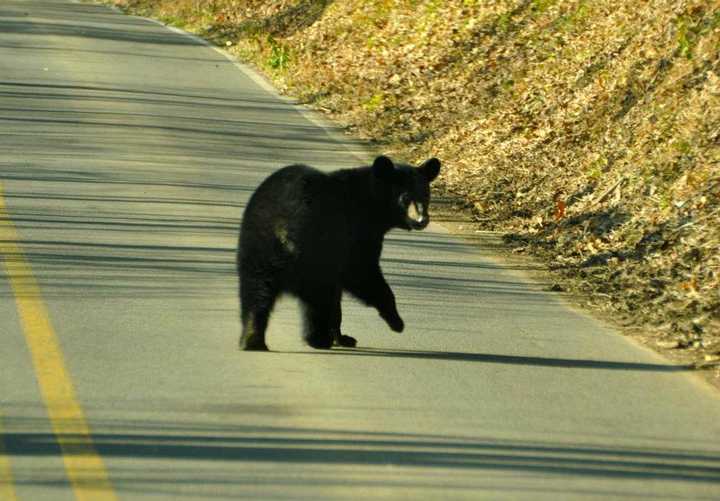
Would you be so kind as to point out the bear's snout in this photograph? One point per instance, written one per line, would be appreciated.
(416, 216)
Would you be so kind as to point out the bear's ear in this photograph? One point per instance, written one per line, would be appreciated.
(430, 169)
(383, 167)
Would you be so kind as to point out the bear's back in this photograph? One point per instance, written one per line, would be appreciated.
(292, 194)
(297, 220)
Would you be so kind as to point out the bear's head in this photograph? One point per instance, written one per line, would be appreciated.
(408, 189)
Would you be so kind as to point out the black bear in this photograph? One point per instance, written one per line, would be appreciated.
(315, 235)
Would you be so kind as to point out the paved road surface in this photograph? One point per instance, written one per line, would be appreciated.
(127, 154)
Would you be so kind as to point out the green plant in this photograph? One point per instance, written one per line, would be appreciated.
(542, 5)
(374, 102)
(690, 30)
(433, 7)
(576, 18)
(597, 167)
(279, 54)
(171, 20)
(683, 40)
(503, 22)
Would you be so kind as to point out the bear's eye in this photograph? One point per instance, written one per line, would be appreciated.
(405, 199)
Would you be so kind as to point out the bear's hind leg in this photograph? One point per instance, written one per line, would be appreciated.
(253, 331)
(256, 302)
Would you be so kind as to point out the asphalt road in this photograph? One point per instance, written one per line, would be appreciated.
(127, 154)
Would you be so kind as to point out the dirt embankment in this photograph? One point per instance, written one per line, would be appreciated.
(586, 131)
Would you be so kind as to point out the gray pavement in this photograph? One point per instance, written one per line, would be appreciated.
(127, 154)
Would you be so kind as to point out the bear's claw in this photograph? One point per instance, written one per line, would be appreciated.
(394, 322)
(253, 344)
(346, 341)
(320, 343)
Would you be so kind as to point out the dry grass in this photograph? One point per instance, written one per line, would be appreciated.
(586, 130)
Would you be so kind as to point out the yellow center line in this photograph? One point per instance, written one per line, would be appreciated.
(7, 489)
(85, 469)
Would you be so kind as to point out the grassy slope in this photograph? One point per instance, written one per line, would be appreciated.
(587, 130)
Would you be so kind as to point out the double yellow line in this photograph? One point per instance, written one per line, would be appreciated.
(85, 469)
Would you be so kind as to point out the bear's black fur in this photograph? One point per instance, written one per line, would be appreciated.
(315, 235)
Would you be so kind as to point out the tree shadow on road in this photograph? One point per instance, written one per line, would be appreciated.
(168, 446)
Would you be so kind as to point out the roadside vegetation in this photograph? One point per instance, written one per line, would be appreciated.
(586, 131)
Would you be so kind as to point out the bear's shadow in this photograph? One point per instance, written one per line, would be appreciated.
(487, 358)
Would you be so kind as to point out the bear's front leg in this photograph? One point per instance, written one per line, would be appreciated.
(343, 340)
(323, 316)
(392, 317)
(373, 290)
(339, 338)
